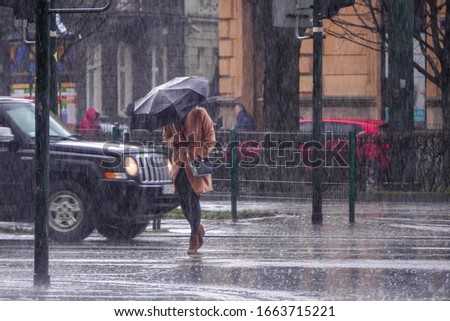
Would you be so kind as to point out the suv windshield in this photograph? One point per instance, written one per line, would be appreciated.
(24, 117)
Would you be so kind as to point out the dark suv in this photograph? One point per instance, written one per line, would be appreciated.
(110, 186)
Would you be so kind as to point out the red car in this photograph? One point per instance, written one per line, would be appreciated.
(371, 148)
(342, 125)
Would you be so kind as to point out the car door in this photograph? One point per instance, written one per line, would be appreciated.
(16, 179)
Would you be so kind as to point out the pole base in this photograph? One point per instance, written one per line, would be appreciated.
(41, 281)
(317, 219)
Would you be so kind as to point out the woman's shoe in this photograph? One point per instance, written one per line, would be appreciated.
(193, 244)
(200, 234)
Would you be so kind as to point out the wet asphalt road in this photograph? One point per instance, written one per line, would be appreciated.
(392, 252)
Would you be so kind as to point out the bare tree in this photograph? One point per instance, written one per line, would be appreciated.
(431, 32)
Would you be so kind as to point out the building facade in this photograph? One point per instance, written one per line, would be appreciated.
(201, 39)
(110, 59)
(353, 75)
(136, 46)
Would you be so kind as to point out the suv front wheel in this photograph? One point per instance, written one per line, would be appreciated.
(69, 217)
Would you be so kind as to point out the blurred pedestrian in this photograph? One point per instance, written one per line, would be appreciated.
(244, 122)
(89, 126)
(129, 110)
(191, 138)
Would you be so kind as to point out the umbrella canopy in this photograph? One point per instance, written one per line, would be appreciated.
(169, 102)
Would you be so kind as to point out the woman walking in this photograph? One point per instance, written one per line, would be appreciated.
(191, 138)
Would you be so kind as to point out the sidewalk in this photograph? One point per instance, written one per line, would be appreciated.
(392, 252)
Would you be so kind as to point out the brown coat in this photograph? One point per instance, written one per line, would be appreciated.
(196, 140)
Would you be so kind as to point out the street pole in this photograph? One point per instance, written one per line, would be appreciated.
(234, 174)
(317, 173)
(41, 276)
(53, 66)
(351, 176)
(43, 103)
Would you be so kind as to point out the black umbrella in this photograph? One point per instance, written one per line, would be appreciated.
(169, 102)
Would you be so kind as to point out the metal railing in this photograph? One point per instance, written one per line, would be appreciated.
(279, 164)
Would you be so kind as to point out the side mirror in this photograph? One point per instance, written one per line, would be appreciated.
(6, 135)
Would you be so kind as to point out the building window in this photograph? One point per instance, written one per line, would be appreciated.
(124, 77)
(164, 63)
(94, 77)
(159, 65)
(201, 59)
(155, 69)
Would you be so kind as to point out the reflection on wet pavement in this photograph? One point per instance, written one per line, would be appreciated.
(392, 252)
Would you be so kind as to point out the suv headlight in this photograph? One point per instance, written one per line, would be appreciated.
(131, 166)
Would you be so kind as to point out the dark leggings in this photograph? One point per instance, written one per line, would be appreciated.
(189, 200)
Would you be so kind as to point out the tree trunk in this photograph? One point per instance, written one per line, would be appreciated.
(281, 80)
(401, 68)
(446, 106)
(445, 72)
(401, 89)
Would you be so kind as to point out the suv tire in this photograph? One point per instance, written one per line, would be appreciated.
(69, 212)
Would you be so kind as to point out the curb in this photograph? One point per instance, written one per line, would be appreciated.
(405, 197)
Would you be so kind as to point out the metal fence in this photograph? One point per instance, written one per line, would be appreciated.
(280, 164)
(272, 164)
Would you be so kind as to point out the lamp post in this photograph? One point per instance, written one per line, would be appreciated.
(43, 103)
(41, 276)
(317, 173)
